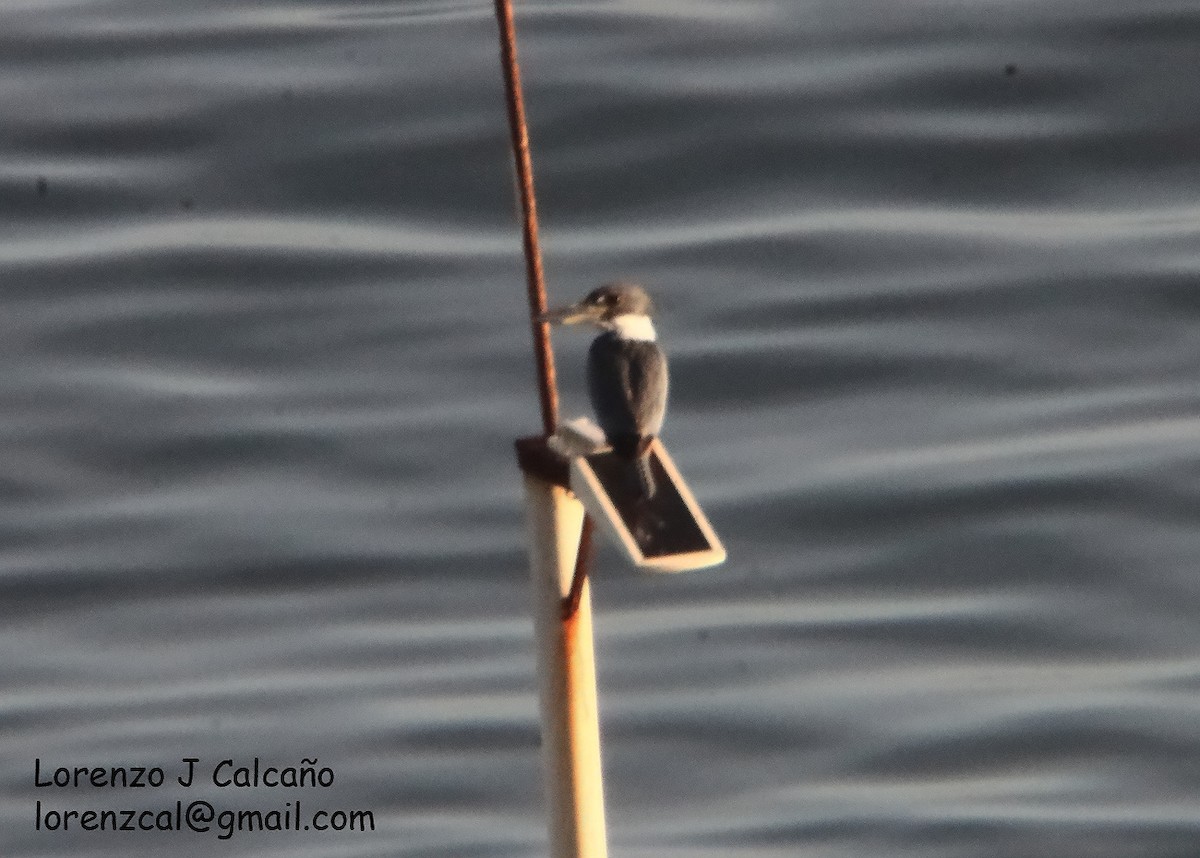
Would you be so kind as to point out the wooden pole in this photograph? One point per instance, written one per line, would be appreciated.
(566, 677)
(562, 602)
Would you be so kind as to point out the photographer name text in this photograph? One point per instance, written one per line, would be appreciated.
(225, 773)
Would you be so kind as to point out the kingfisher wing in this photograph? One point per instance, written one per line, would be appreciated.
(627, 380)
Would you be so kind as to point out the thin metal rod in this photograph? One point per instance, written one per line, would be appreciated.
(535, 285)
(582, 559)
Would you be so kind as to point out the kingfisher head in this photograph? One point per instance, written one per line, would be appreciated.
(613, 306)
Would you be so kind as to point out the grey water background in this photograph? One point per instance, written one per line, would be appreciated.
(927, 275)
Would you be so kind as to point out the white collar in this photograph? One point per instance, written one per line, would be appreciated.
(632, 326)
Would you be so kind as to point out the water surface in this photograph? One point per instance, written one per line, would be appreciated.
(927, 280)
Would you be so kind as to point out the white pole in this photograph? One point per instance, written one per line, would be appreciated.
(566, 677)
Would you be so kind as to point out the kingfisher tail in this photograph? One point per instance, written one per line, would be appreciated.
(646, 475)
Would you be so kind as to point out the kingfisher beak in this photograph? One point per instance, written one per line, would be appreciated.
(573, 315)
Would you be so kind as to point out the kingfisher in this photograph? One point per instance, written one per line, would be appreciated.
(626, 370)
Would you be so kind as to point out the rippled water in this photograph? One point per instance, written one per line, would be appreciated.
(927, 273)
